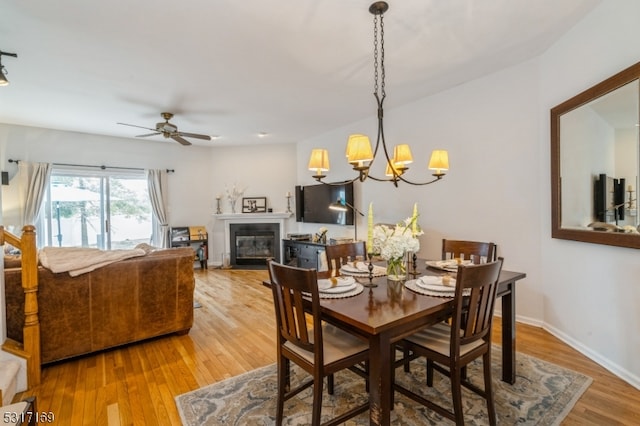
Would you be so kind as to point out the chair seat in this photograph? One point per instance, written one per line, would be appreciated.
(337, 345)
(438, 339)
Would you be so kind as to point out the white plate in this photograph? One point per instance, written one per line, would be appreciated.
(435, 284)
(343, 285)
(361, 268)
(446, 265)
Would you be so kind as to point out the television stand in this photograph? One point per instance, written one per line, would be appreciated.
(303, 254)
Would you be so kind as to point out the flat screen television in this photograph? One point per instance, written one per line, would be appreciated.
(315, 200)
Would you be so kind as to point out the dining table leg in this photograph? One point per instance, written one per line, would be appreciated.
(509, 334)
(380, 386)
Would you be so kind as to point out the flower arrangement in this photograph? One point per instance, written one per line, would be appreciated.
(393, 243)
(233, 195)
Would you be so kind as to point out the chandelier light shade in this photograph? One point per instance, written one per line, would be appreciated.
(439, 161)
(402, 154)
(319, 161)
(3, 70)
(359, 152)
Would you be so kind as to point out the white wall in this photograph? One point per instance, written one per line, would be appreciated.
(591, 292)
(265, 171)
(491, 192)
(498, 189)
(200, 174)
(189, 194)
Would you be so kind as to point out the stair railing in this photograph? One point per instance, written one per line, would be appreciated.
(31, 330)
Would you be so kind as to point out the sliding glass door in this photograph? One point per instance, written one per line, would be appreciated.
(97, 208)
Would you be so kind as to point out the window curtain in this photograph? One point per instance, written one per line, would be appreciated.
(34, 180)
(157, 183)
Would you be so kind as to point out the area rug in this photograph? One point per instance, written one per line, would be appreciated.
(543, 394)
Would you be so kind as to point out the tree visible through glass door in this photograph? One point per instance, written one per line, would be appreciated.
(97, 210)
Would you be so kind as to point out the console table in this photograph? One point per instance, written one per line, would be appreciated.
(303, 254)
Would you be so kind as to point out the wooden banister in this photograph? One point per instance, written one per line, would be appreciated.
(31, 330)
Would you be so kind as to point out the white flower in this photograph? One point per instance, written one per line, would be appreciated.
(234, 193)
(393, 243)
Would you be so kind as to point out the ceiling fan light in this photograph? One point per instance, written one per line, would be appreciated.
(3, 77)
(359, 149)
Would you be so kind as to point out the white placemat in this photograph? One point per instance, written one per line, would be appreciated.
(413, 285)
(450, 265)
(357, 289)
(361, 269)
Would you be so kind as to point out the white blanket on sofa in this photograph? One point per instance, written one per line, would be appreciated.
(80, 260)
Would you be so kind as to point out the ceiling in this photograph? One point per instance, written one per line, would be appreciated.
(292, 69)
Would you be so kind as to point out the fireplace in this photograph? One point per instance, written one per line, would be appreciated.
(252, 244)
(244, 221)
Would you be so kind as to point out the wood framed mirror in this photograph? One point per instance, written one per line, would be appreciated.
(595, 163)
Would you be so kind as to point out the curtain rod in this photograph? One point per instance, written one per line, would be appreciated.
(97, 167)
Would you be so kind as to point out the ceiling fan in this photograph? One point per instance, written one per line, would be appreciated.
(169, 130)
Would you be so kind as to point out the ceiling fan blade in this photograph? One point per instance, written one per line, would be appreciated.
(195, 135)
(148, 134)
(140, 127)
(177, 138)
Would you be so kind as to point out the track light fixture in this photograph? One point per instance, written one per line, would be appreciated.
(3, 70)
(359, 153)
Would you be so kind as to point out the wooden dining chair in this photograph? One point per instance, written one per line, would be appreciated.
(449, 348)
(340, 254)
(477, 252)
(317, 347)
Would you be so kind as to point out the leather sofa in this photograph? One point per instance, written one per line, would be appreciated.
(124, 302)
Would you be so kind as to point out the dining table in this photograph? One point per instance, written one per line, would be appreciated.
(387, 311)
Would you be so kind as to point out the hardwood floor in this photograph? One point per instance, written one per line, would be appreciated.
(233, 333)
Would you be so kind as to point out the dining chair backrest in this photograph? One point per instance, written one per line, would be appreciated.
(289, 285)
(450, 348)
(301, 340)
(473, 312)
(477, 252)
(340, 254)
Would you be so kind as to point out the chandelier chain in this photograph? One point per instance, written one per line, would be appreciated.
(378, 55)
(375, 54)
(382, 55)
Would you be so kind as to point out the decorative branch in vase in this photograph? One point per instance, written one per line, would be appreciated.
(233, 195)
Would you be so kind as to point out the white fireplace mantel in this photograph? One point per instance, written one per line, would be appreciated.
(252, 217)
(233, 218)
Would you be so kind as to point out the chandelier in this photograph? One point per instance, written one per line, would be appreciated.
(359, 153)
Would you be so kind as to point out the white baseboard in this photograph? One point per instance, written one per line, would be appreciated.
(525, 320)
(625, 375)
(614, 368)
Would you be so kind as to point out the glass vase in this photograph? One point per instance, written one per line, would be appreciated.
(232, 203)
(397, 269)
